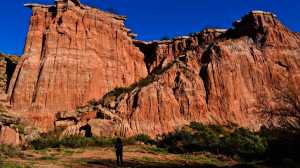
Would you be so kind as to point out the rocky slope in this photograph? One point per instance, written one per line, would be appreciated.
(9, 133)
(214, 77)
(73, 54)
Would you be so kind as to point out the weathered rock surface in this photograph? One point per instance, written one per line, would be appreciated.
(9, 128)
(9, 136)
(103, 127)
(73, 54)
(160, 53)
(213, 77)
(8, 64)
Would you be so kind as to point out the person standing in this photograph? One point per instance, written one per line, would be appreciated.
(119, 151)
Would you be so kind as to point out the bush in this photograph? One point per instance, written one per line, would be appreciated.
(214, 139)
(70, 142)
(145, 139)
(53, 141)
(179, 141)
(282, 143)
(77, 142)
(93, 102)
(244, 143)
(9, 151)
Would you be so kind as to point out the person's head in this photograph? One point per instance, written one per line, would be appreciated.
(119, 140)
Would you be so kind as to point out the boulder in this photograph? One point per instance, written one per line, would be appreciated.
(9, 136)
(102, 128)
(64, 123)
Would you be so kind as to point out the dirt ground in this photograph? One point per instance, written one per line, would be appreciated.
(134, 156)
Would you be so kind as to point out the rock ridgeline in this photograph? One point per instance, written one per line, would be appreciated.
(77, 55)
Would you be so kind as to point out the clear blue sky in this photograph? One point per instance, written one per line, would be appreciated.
(152, 19)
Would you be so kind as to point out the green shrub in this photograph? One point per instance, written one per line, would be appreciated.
(244, 143)
(52, 141)
(70, 142)
(179, 141)
(9, 151)
(155, 150)
(282, 143)
(20, 127)
(93, 102)
(214, 139)
(5, 164)
(145, 139)
(146, 81)
(45, 142)
(118, 91)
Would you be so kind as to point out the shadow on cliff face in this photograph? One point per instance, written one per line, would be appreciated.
(10, 68)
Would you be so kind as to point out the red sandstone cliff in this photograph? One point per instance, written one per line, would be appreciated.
(73, 54)
(214, 77)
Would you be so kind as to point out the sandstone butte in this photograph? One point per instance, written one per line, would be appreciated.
(75, 54)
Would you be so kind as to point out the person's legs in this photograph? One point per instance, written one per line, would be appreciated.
(118, 158)
(121, 157)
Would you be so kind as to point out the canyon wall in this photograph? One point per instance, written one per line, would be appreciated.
(73, 54)
(213, 77)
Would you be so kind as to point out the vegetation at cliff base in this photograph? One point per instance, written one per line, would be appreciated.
(215, 139)
(52, 140)
(195, 143)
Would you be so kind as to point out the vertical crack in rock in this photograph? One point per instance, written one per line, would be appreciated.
(205, 78)
(40, 69)
(10, 68)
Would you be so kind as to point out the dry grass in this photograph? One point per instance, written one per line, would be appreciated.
(134, 156)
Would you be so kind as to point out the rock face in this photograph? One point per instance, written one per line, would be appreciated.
(9, 128)
(213, 77)
(73, 54)
(8, 64)
(9, 136)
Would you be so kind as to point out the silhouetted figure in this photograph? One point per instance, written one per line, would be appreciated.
(119, 151)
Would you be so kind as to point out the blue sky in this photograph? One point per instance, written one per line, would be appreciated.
(152, 19)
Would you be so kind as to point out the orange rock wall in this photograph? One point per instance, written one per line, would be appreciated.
(216, 80)
(73, 54)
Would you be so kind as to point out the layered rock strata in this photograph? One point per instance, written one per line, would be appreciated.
(73, 54)
(213, 77)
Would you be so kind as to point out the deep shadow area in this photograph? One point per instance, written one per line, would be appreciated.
(157, 164)
(10, 68)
